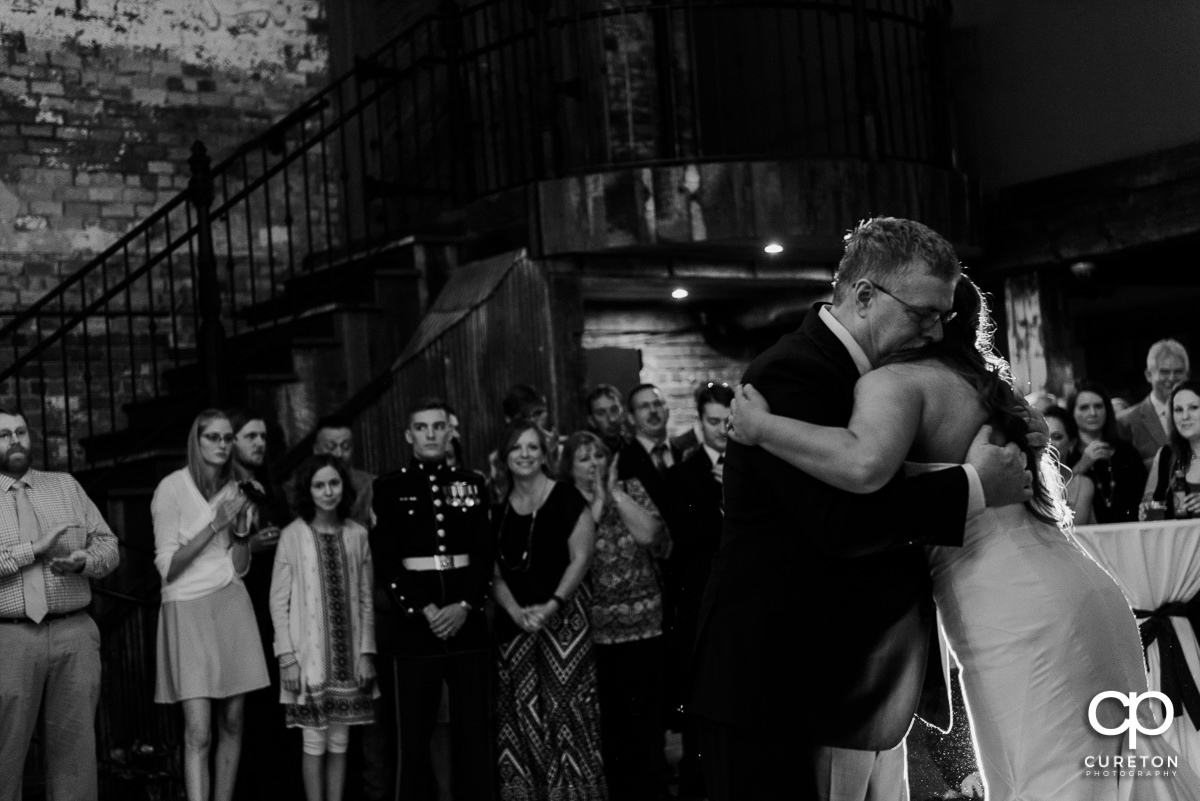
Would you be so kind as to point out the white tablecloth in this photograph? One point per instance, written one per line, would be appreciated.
(1156, 563)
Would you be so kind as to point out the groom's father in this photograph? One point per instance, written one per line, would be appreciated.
(815, 623)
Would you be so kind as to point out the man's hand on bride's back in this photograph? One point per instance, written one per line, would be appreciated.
(1001, 470)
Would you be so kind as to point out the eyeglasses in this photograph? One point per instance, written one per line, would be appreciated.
(926, 318)
(218, 439)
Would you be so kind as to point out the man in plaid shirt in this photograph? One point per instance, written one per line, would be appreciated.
(52, 541)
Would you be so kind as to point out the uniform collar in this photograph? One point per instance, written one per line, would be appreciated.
(430, 468)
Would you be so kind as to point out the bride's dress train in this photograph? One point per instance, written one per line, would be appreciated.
(1039, 629)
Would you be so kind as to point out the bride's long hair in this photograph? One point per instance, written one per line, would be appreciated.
(967, 347)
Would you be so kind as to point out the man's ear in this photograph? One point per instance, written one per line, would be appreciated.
(408, 437)
(863, 292)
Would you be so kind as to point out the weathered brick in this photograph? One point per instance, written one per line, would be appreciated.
(45, 177)
(83, 210)
(47, 207)
(104, 194)
(46, 87)
(139, 196)
(117, 210)
(37, 130)
(150, 97)
(161, 167)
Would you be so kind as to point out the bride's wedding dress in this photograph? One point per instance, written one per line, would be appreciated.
(1039, 629)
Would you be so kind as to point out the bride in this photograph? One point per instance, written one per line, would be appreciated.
(1038, 628)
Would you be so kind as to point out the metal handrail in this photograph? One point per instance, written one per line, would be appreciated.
(467, 102)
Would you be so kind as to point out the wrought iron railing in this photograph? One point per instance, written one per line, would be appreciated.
(478, 99)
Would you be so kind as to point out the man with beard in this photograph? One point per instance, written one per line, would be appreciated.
(52, 540)
(606, 416)
(335, 437)
(275, 767)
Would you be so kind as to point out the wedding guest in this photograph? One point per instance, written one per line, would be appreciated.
(695, 487)
(1146, 424)
(432, 549)
(1109, 461)
(546, 661)
(1064, 436)
(52, 542)
(1178, 455)
(322, 608)
(275, 768)
(209, 654)
(606, 416)
(626, 615)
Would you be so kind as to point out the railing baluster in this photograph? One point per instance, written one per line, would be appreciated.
(330, 227)
(268, 228)
(171, 292)
(89, 401)
(133, 363)
(152, 325)
(65, 367)
(230, 259)
(108, 347)
(287, 215)
(252, 272)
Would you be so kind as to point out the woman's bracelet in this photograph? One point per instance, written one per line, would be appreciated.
(562, 604)
(214, 529)
(287, 660)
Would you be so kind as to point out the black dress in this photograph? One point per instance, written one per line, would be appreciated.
(547, 705)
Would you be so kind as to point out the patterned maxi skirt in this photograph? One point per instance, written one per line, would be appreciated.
(339, 699)
(549, 714)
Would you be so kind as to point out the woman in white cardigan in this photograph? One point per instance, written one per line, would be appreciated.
(323, 612)
(209, 653)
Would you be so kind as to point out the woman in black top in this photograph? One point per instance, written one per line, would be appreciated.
(1179, 454)
(1109, 461)
(547, 704)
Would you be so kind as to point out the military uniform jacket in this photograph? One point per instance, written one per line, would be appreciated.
(431, 511)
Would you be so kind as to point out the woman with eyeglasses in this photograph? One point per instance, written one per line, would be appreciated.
(209, 651)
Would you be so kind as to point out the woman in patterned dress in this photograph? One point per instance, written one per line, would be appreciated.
(324, 617)
(547, 707)
(627, 617)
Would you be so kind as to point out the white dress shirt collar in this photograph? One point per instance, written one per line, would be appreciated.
(856, 352)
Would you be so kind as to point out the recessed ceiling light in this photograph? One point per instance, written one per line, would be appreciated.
(773, 248)
(679, 294)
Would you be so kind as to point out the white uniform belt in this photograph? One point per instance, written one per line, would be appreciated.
(445, 561)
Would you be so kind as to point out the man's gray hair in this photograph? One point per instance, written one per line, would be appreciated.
(888, 247)
(1167, 347)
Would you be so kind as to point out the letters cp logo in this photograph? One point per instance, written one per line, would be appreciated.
(1131, 701)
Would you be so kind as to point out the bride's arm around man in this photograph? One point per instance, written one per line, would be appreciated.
(812, 639)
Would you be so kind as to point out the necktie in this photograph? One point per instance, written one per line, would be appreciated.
(658, 454)
(32, 580)
(721, 459)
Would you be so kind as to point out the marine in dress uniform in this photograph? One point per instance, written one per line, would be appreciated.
(432, 553)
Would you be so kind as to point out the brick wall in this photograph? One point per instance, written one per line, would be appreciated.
(99, 105)
(675, 355)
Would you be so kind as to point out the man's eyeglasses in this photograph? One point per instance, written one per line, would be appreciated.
(218, 439)
(926, 318)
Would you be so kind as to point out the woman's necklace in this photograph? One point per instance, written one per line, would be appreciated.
(526, 560)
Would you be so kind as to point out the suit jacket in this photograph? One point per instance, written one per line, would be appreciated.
(635, 462)
(696, 498)
(1140, 426)
(817, 615)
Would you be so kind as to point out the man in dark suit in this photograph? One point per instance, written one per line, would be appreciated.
(606, 416)
(1145, 423)
(649, 454)
(815, 623)
(695, 485)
